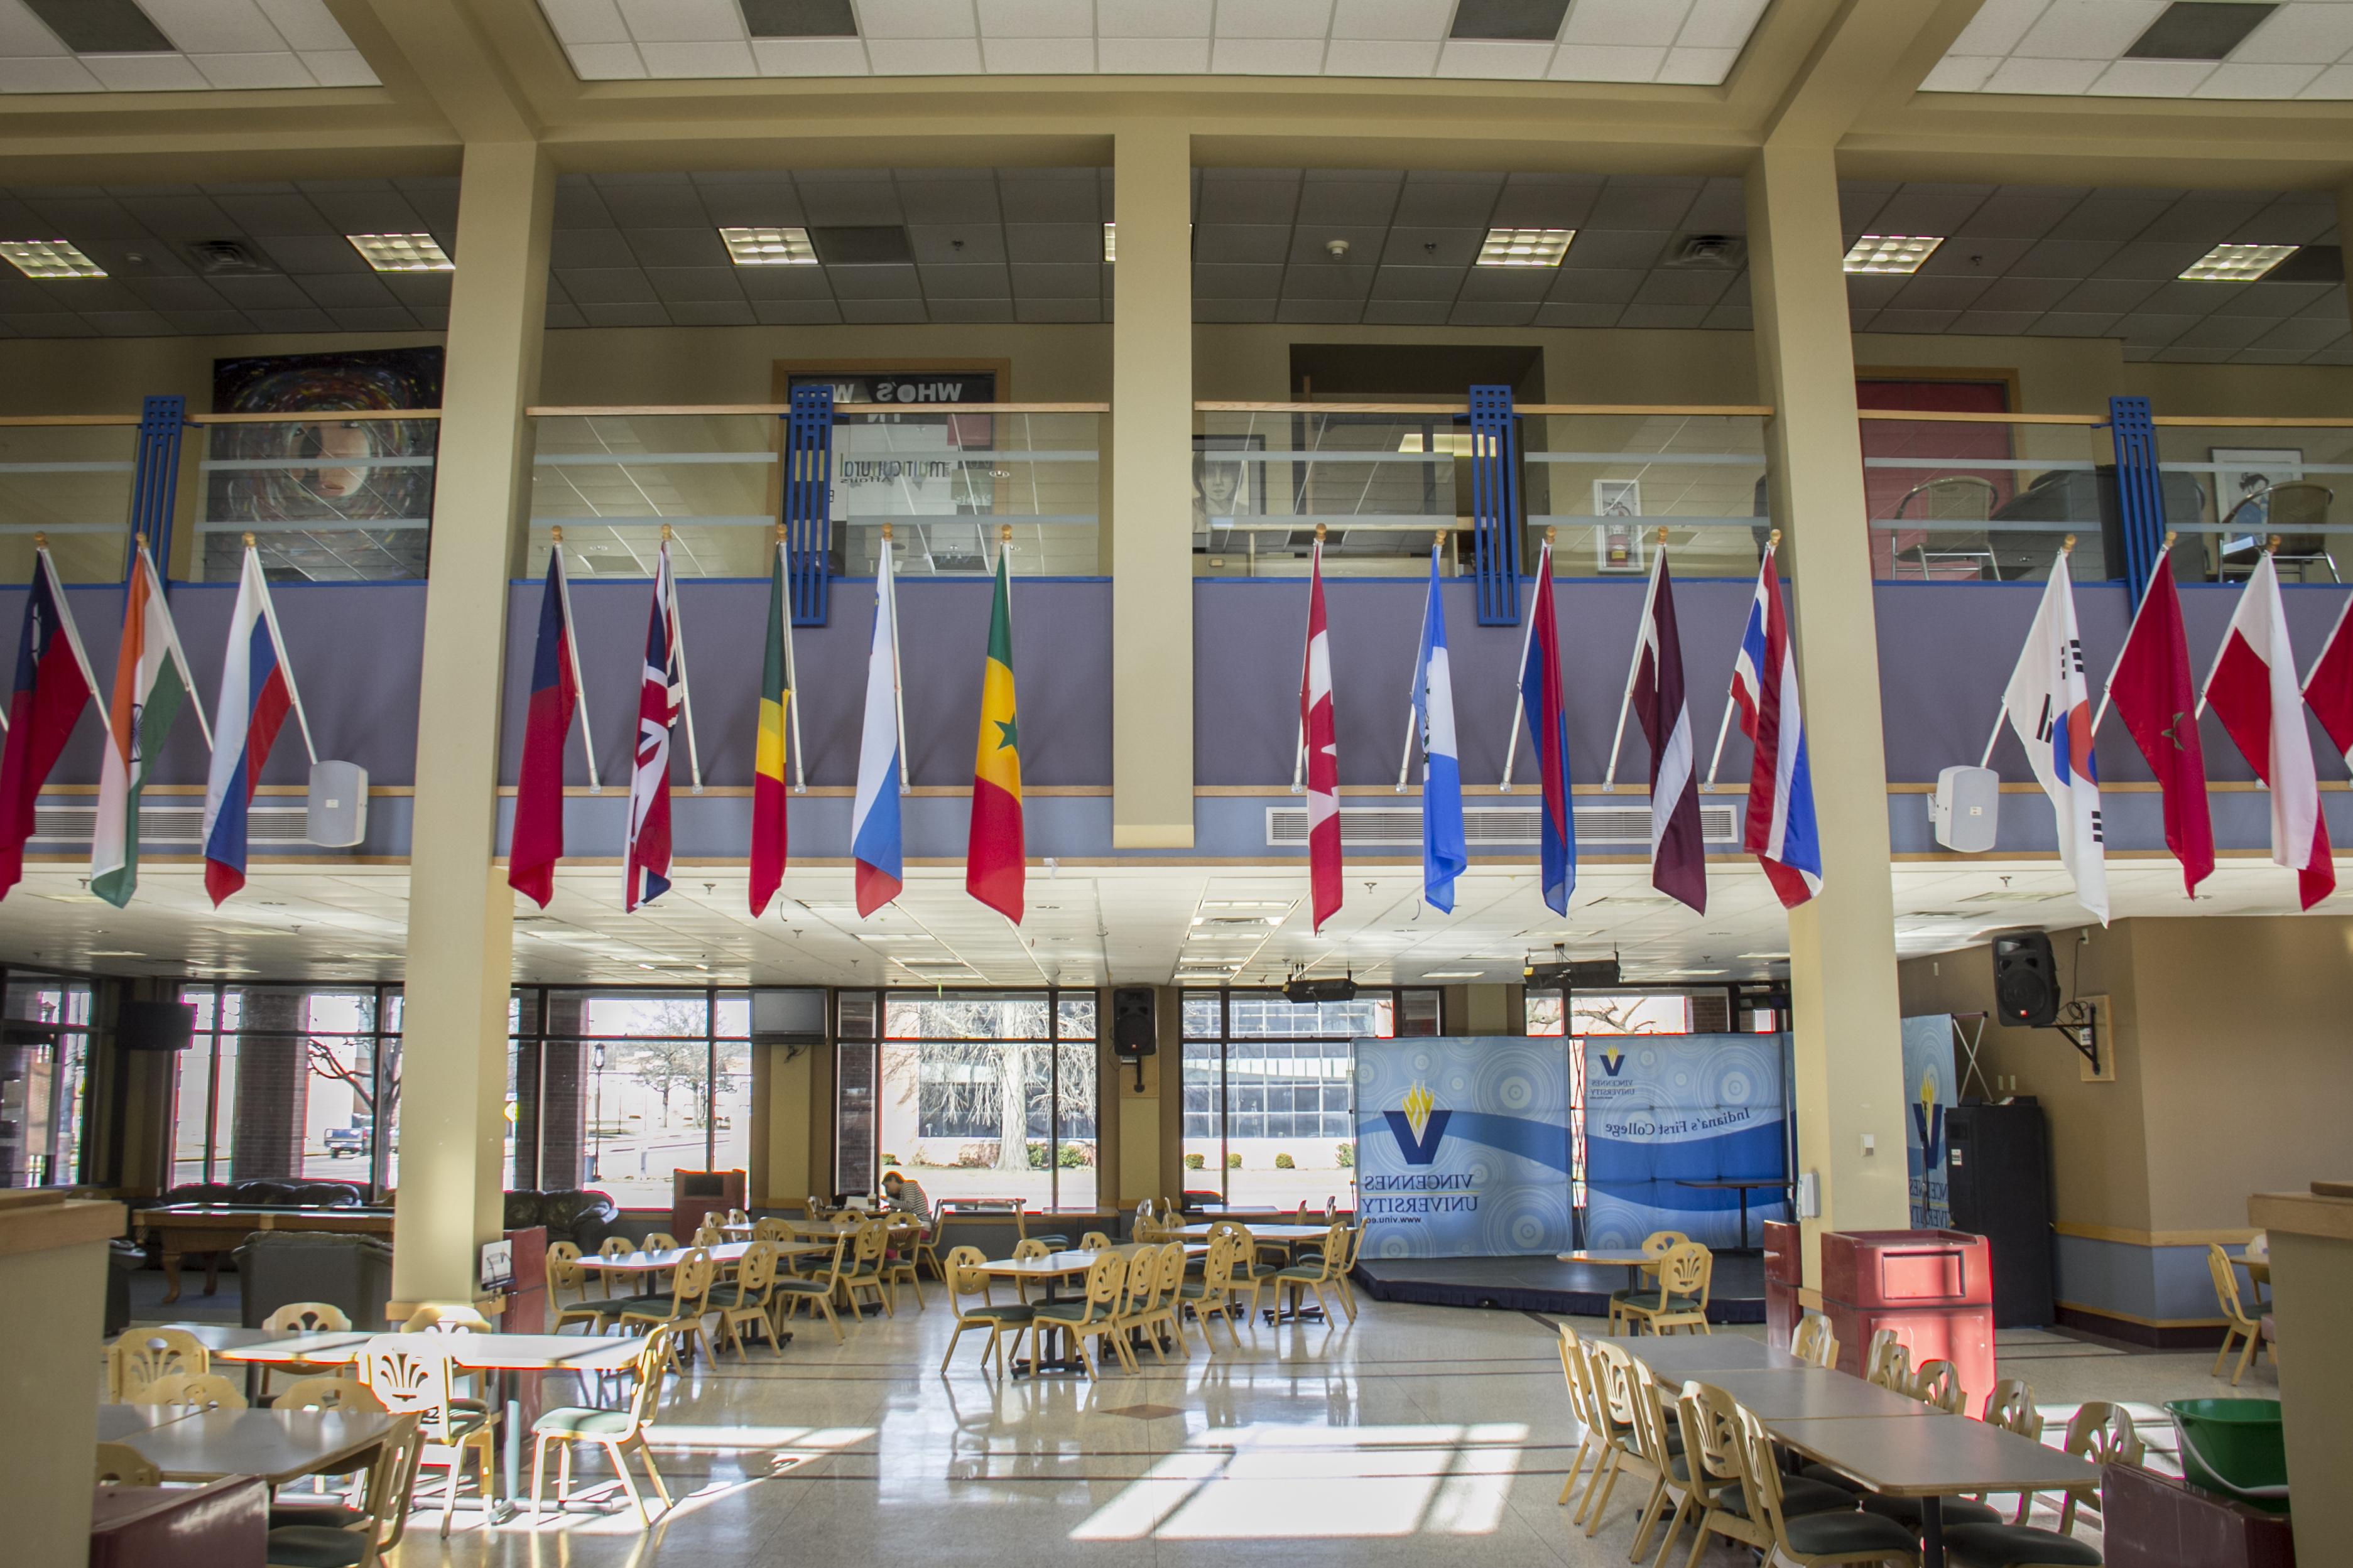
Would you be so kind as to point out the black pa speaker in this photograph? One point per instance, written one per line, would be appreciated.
(155, 1025)
(1135, 1031)
(2025, 981)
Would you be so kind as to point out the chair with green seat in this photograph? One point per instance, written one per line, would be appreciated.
(966, 1280)
(755, 1303)
(614, 1431)
(682, 1307)
(816, 1290)
(1655, 1247)
(1250, 1272)
(1617, 1391)
(1813, 1343)
(1678, 1301)
(1708, 1419)
(1089, 1317)
(365, 1534)
(1138, 1299)
(1316, 1274)
(411, 1374)
(2098, 1433)
(869, 1247)
(1211, 1294)
(1813, 1539)
(2237, 1319)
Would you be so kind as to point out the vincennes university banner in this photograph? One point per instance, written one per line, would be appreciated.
(1463, 1146)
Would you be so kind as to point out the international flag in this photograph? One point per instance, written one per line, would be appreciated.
(1444, 852)
(257, 692)
(1548, 719)
(1780, 831)
(1322, 753)
(874, 840)
(2329, 687)
(53, 684)
(661, 692)
(537, 843)
(2153, 693)
(768, 797)
(150, 683)
(2049, 705)
(2253, 690)
(1678, 851)
(995, 862)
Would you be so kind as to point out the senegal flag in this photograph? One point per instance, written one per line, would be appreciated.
(768, 754)
(151, 680)
(995, 865)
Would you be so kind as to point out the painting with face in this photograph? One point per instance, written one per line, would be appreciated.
(1226, 486)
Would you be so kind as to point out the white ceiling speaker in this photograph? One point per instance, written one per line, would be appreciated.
(1965, 809)
(337, 808)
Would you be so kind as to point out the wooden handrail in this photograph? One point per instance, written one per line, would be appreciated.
(24, 421)
(622, 410)
(2253, 422)
(1933, 417)
(322, 417)
(1741, 410)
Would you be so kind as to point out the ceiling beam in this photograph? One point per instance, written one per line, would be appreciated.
(1856, 54)
(440, 46)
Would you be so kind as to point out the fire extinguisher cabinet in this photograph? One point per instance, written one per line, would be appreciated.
(1934, 1288)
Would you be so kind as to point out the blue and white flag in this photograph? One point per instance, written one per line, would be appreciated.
(1443, 852)
(874, 819)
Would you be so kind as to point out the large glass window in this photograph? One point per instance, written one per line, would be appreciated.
(288, 1081)
(991, 1094)
(44, 1080)
(1269, 1090)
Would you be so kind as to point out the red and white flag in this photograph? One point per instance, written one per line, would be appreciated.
(2253, 690)
(2329, 687)
(1654, 690)
(1321, 753)
(2151, 689)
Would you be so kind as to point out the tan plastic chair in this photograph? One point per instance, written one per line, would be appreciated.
(203, 1390)
(339, 1393)
(708, 1234)
(1938, 1384)
(1817, 1540)
(968, 1298)
(869, 1244)
(1620, 1395)
(1316, 1273)
(771, 1229)
(1211, 1295)
(687, 1305)
(1089, 1317)
(1096, 1241)
(1887, 1362)
(121, 1465)
(1139, 1297)
(1592, 1429)
(1812, 1342)
(1168, 1296)
(448, 1317)
(1709, 1419)
(617, 1432)
(901, 1257)
(565, 1273)
(1681, 1300)
(755, 1302)
(141, 1356)
(815, 1291)
(411, 1374)
(2237, 1322)
(618, 1246)
(1024, 1251)
(305, 1537)
(1251, 1273)
(1655, 1247)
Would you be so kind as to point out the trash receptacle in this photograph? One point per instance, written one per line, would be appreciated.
(350, 1272)
(2234, 1446)
(1934, 1288)
(123, 1259)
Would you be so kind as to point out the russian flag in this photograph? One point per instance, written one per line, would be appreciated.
(257, 692)
(874, 841)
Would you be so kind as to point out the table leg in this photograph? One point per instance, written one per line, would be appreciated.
(1932, 1533)
(171, 1270)
(1743, 1218)
(513, 1451)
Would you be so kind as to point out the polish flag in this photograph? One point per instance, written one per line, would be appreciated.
(2329, 687)
(1322, 753)
(2253, 690)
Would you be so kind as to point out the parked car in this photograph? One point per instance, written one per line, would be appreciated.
(342, 1141)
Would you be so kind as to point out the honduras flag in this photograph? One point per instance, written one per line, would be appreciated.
(1443, 852)
(874, 819)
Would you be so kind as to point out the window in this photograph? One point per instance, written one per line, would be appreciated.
(1269, 1088)
(288, 1081)
(988, 1094)
(44, 1080)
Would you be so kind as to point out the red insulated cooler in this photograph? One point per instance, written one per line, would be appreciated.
(1785, 1271)
(1934, 1288)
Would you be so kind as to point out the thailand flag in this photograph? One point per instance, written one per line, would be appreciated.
(1780, 831)
(2049, 705)
(1444, 852)
(257, 692)
(661, 692)
(874, 841)
(1547, 718)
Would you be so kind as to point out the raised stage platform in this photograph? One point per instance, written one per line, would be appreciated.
(1545, 1285)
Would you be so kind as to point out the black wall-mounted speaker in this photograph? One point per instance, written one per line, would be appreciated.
(1134, 1026)
(2025, 981)
(155, 1025)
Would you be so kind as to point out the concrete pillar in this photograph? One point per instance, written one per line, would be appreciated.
(273, 1087)
(1849, 1068)
(460, 910)
(1152, 477)
(564, 1111)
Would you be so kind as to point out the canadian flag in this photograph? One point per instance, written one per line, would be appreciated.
(2254, 691)
(1320, 750)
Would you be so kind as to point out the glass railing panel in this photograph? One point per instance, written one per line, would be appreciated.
(70, 482)
(338, 498)
(1609, 480)
(2230, 485)
(1381, 478)
(1985, 498)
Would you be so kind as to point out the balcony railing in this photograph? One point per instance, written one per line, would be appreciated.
(329, 498)
(1389, 480)
(70, 479)
(946, 480)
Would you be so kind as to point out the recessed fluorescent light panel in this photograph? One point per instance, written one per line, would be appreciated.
(402, 252)
(798, 18)
(2236, 263)
(2198, 30)
(1526, 247)
(769, 247)
(1538, 19)
(49, 258)
(1892, 252)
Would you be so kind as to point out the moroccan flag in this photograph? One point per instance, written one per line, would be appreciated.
(768, 751)
(53, 683)
(2154, 696)
(994, 863)
(150, 683)
(537, 843)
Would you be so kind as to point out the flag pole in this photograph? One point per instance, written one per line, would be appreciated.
(172, 632)
(1658, 565)
(1412, 709)
(285, 658)
(1772, 543)
(2067, 550)
(2107, 692)
(678, 651)
(1299, 753)
(898, 687)
(572, 652)
(2271, 544)
(792, 685)
(1519, 707)
(73, 635)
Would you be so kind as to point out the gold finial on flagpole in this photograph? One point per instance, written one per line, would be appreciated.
(1004, 533)
(2169, 537)
(249, 541)
(2271, 545)
(1773, 540)
(665, 539)
(555, 534)
(40, 541)
(1319, 533)
(1551, 534)
(886, 533)
(2067, 545)
(139, 541)
(1662, 534)
(780, 533)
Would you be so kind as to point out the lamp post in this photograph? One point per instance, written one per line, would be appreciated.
(596, 1115)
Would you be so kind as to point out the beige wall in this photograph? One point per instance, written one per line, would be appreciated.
(2234, 1074)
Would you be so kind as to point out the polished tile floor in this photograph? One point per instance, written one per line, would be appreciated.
(1417, 1435)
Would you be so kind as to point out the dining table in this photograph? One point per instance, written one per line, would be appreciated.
(1050, 1271)
(279, 1446)
(1675, 1357)
(116, 1422)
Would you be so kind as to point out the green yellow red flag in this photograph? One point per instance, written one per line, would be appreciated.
(996, 864)
(768, 795)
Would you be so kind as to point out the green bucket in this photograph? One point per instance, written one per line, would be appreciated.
(2233, 1446)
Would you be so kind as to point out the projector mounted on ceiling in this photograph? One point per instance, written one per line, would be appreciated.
(1344, 990)
(1578, 974)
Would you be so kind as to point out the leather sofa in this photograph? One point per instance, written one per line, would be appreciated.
(280, 1267)
(272, 1193)
(582, 1217)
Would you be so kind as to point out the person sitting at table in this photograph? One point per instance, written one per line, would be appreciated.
(901, 1196)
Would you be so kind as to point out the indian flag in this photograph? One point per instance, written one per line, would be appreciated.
(151, 681)
(995, 861)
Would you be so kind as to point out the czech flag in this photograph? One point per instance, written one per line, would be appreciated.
(257, 692)
(874, 816)
(1540, 697)
(996, 865)
(538, 840)
(53, 684)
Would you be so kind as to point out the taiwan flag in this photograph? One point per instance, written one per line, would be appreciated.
(53, 684)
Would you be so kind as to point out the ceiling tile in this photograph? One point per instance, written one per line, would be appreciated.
(1687, 286)
(796, 283)
(1053, 196)
(2043, 76)
(966, 280)
(1638, 203)
(810, 57)
(1606, 248)
(606, 286)
(1346, 57)
(711, 312)
(2087, 29)
(889, 282)
(1267, 56)
(1154, 18)
(1057, 280)
(1720, 23)
(50, 74)
(1495, 58)
(1559, 313)
(1240, 280)
(1038, 57)
(1229, 198)
(1654, 22)
(1072, 243)
(145, 73)
(683, 61)
(585, 21)
(1027, 310)
(1596, 286)
(1242, 242)
(795, 313)
(1421, 20)
(924, 57)
(2152, 79)
(1319, 312)
(1146, 57)
(1379, 312)
(971, 309)
(625, 315)
(606, 62)
(1605, 62)
(1662, 318)
(1274, 19)
(1998, 26)
(677, 248)
(1423, 247)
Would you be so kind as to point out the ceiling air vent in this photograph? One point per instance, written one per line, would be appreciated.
(224, 258)
(1709, 252)
(861, 245)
